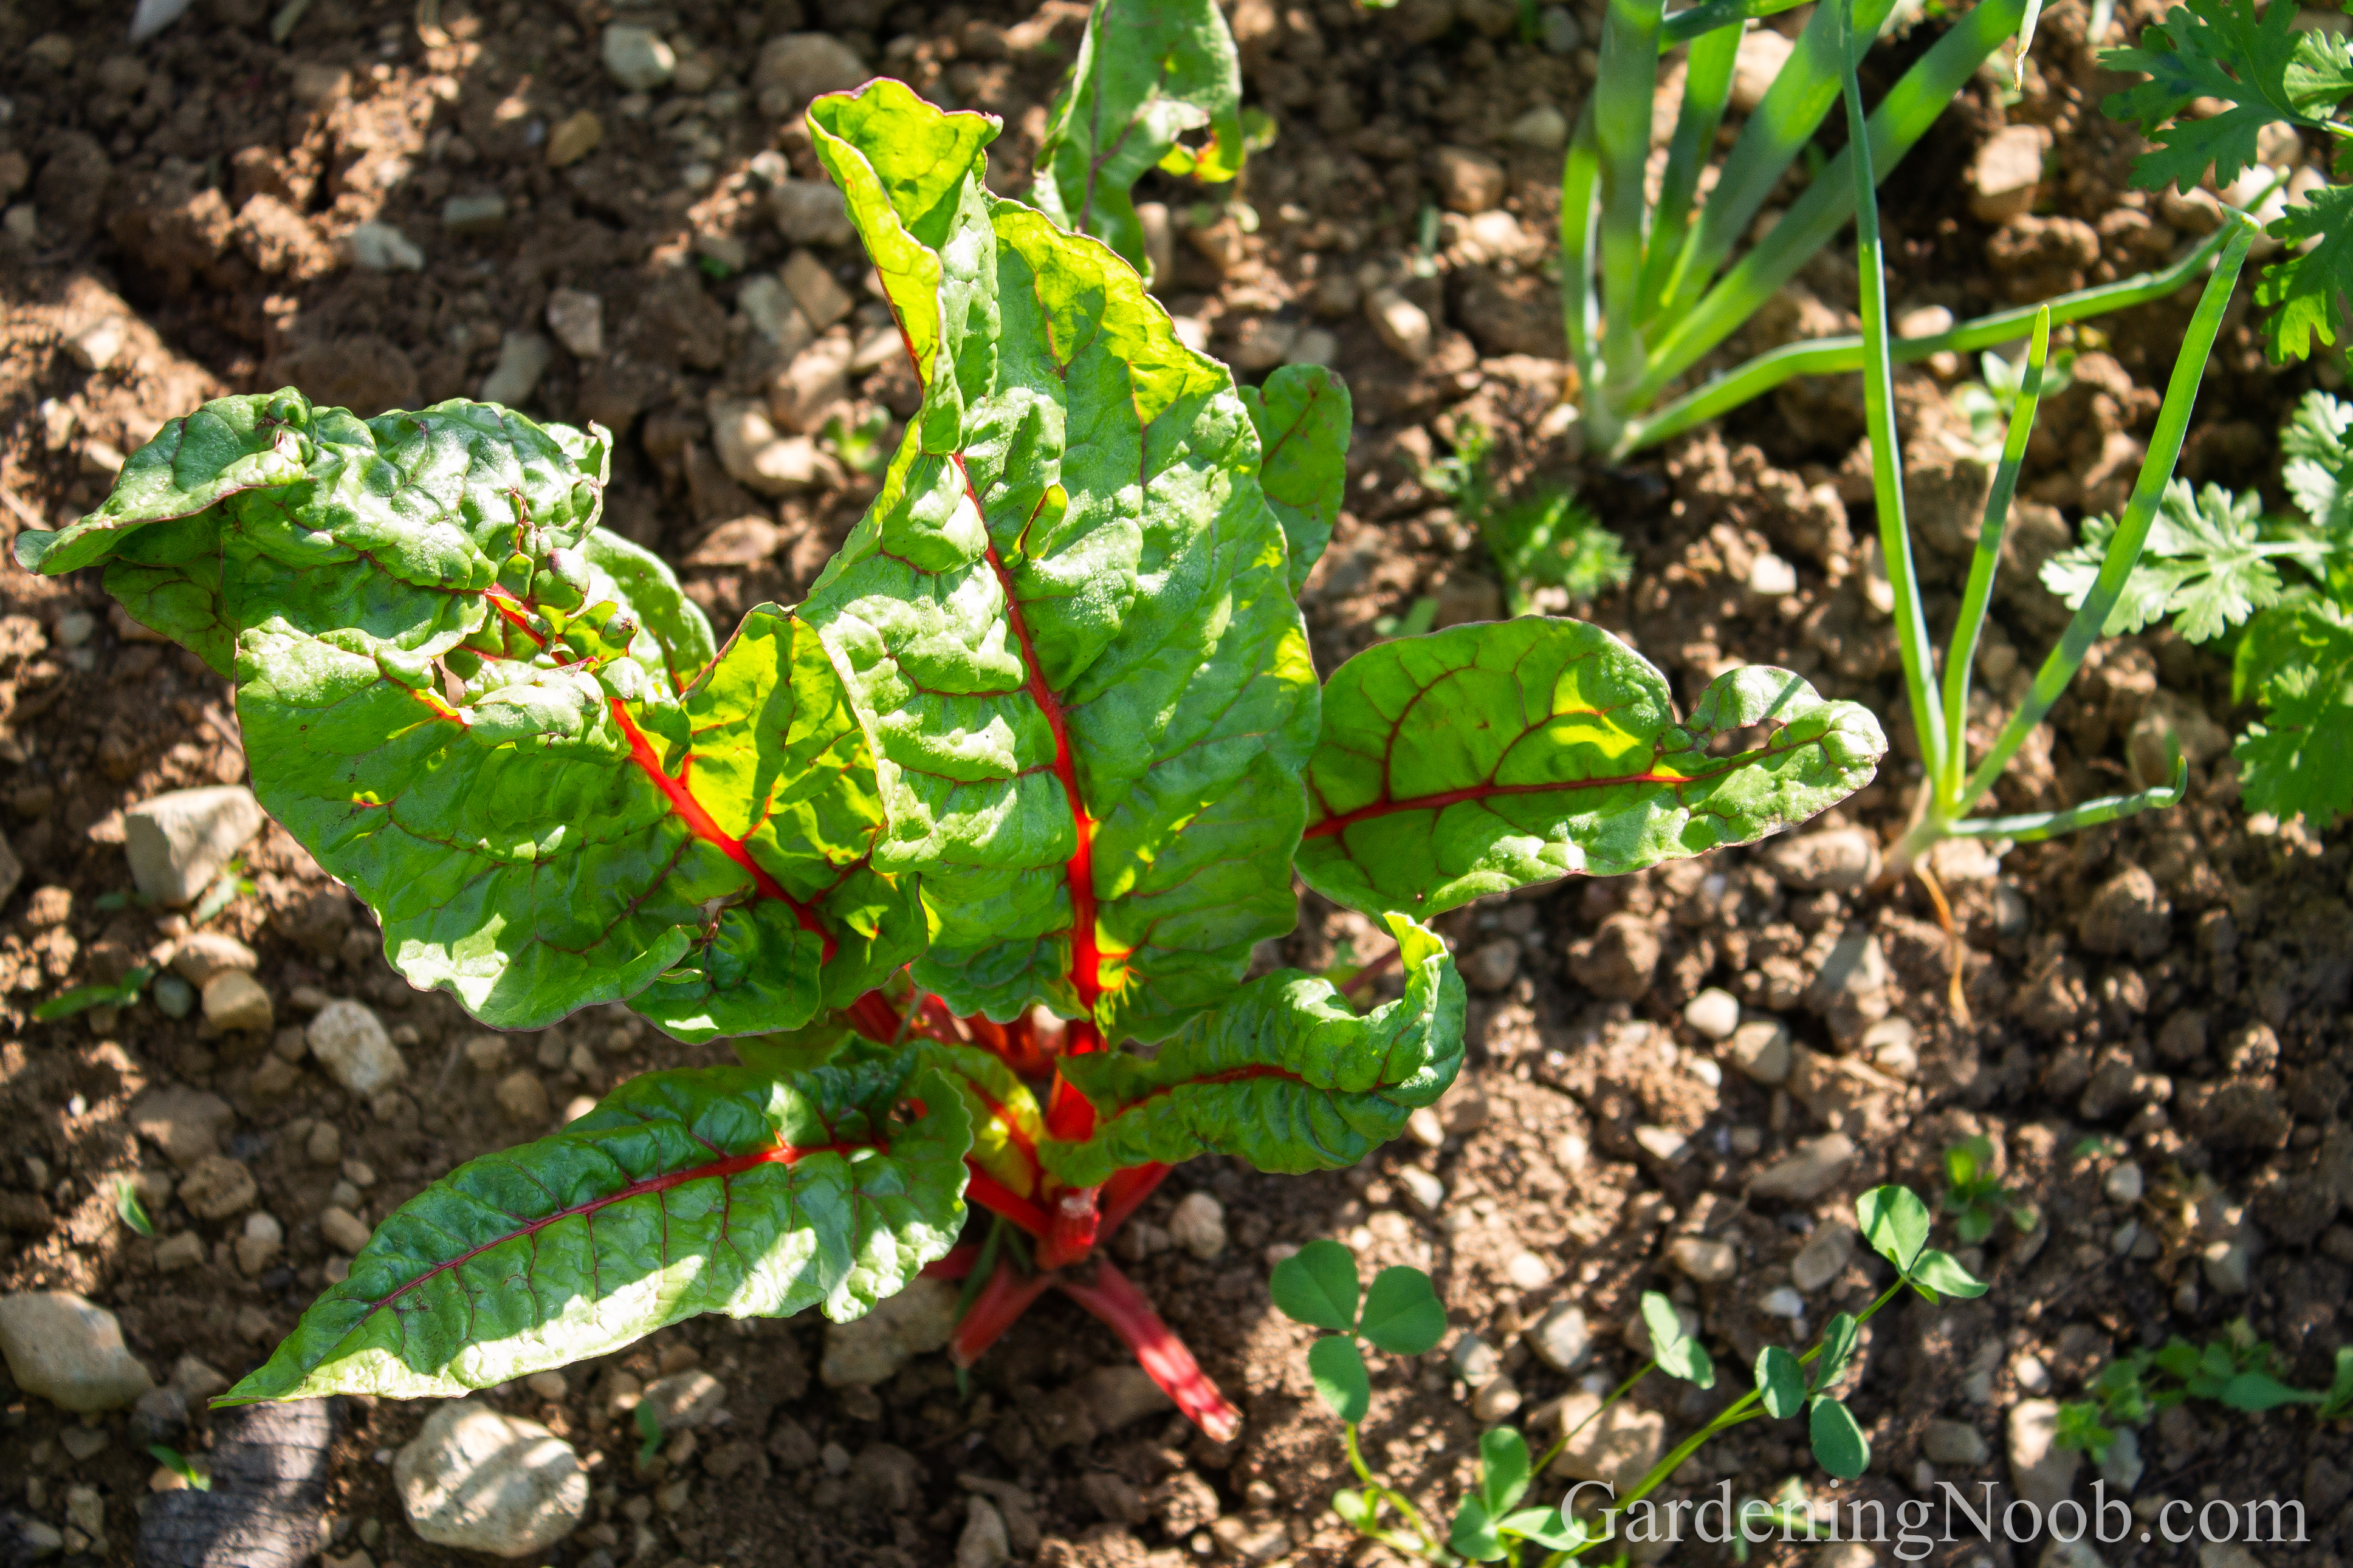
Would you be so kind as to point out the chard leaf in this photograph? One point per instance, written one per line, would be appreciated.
(1006, 1127)
(1484, 758)
(1149, 72)
(556, 836)
(1303, 416)
(1065, 621)
(2297, 659)
(714, 1190)
(1285, 1075)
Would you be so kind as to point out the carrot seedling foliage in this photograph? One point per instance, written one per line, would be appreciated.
(1026, 779)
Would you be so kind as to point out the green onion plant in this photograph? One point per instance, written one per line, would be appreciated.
(1646, 289)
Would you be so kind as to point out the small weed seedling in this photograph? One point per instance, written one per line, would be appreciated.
(1401, 1315)
(1643, 299)
(2212, 566)
(194, 1476)
(1026, 778)
(1552, 554)
(1975, 1197)
(2234, 1372)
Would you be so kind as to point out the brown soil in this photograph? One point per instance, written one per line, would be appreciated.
(2171, 988)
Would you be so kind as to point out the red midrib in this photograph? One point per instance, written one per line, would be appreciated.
(700, 822)
(682, 800)
(1086, 955)
(732, 1164)
(1384, 807)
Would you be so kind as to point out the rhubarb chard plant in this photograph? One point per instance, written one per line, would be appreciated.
(967, 854)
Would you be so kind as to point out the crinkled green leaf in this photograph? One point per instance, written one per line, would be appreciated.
(1485, 757)
(1317, 1286)
(714, 1190)
(1839, 1444)
(2258, 65)
(541, 844)
(1337, 1368)
(1149, 72)
(2305, 290)
(1780, 1382)
(2204, 564)
(1065, 620)
(1303, 417)
(2297, 659)
(1007, 1126)
(1286, 1075)
(1402, 1313)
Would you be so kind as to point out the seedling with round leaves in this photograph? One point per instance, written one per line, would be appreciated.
(1026, 778)
(1318, 1286)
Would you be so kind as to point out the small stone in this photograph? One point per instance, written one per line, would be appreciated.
(1425, 1129)
(483, 1481)
(1423, 1189)
(1760, 1049)
(1782, 1303)
(637, 58)
(1807, 1172)
(768, 304)
(1713, 1012)
(1528, 1271)
(185, 1123)
(325, 1144)
(86, 1511)
(756, 456)
(822, 299)
(983, 1543)
(811, 211)
(802, 394)
(1495, 1402)
(1708, 1262)
(1823, 1257)
(1890, 1045)
(871, 1349)
(1198, 1225)
(197, 1380)
(260, 1244)
(183, 1249)
(2127, 916)
(1770, 577)
(686, 1399)
(522, 359)
(235, 1004)
(1663, 1142)
(82, 1443)
(2122, 1467)
(159, 1415)
(216, 1187)
(1762, 54)
(2043, 1471)
(379, 246)
(1543, 127)
(523, 1098)
(481, 213)
(1954, 1443)
(350, 1042)
(343, 1230)
(574, 137)
(577, 318)
(1474, 1361)
(1617, 1446)
(176, 843)
(204, 954)
(1492, 965)
(68, 1352)
(2123, 1184)
(1467, 182)
(551, 1386)
(1561, 1338)
(798, 67)
(1835, 859)
(1561, 33)
(1402, 324)
(1117, 1396)
(2007, 172)
(2229, 1265)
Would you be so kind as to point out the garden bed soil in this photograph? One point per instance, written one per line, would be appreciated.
(2167, 992)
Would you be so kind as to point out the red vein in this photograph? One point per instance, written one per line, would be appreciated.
(732, 1165)
(1385, 806)
(700, 822)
